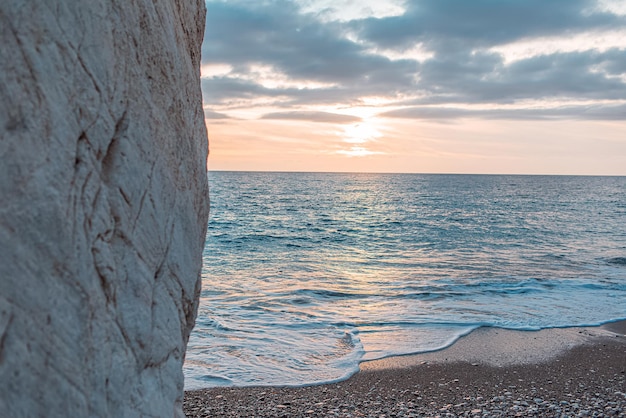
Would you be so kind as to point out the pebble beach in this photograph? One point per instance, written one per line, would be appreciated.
(573, 372)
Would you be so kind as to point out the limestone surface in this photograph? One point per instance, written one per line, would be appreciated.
(103, 204)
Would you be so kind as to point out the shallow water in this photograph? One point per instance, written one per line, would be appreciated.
(307, 274)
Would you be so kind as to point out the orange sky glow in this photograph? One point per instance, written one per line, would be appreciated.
(527, 105)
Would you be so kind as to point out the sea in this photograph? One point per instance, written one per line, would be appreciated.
(306, 275)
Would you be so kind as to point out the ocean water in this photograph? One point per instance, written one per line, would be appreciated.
(307, 274)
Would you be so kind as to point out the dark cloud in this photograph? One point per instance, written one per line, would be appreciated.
(484, 78)
(614, 62)
(232, 90)
(277, 34)
(483, 22)
(223, 89)
(588, 112)
(458, 33)
(325, 117)
(209, 114)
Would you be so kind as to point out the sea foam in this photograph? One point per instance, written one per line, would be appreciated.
(306, 275)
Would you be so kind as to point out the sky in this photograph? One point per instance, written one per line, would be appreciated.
(416, 86)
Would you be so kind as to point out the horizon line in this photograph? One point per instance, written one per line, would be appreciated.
(415, 173)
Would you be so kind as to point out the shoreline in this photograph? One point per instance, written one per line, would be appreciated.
(499, 347)
(490, 371)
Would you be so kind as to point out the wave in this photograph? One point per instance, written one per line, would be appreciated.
(387, 265)
(620, 261)
(331, 294)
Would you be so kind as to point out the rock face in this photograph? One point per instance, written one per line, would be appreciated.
(103, 204)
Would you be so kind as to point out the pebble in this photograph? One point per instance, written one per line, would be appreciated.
(557, 393)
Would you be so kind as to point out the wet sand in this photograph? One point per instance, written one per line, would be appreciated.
(490, 372)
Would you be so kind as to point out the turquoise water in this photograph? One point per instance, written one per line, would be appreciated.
(307, 274)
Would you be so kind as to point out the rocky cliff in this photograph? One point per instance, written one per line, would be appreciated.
(103, 204)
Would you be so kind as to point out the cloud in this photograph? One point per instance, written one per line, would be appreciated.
(209, 114)
(277, 34)
(580, 112)
(283, 53)
(451, 24)
(484, 78)
(325, 117)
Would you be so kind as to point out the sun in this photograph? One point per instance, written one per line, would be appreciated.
(360, 133)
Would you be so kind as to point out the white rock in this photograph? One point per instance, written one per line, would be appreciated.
(103, 204)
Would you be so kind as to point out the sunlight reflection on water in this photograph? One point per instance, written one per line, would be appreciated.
(305, 275)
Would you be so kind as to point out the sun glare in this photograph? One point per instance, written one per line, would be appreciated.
(357, 152)
(360, 133)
